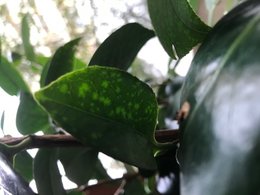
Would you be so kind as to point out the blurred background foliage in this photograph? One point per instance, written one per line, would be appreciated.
(48, 24)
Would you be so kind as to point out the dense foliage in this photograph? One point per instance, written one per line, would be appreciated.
(83, 109)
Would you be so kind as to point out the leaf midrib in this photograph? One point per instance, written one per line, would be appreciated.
(93, 114)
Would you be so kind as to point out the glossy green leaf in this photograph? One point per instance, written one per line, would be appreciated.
(61, 63)
(30, 117)
(220, 147)
(10, 79)
(11, 182)
(46, 173)
(25, 32)
(100, 104)
(23, 164)
(121, 47)
(79, 164)
(178, 28)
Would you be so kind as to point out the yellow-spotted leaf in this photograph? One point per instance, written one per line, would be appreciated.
(105, 108)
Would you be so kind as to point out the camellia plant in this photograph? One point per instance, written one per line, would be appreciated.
(101, 107)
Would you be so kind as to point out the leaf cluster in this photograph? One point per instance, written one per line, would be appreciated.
(109, 110)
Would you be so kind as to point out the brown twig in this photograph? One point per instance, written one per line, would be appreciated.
(69, 141)
(126, 177)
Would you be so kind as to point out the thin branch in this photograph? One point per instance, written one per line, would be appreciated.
(69, 141)
(43, 141)
(126, 177)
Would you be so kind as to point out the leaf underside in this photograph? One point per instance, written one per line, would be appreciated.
(177, 26)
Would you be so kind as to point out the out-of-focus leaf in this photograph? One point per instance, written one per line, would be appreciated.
(100, 104)
(2, 120)
(23, 165)
(168, 180)
(134, 187)
(100, 172)
(10, 79)
(194, 4)
(61, 63)
(121, 47)
(25, 32)
(16, 57)
(74, 192)
(79, 64)
(30, 117)
(220, 145)
(177, 26)
(42, 60)
(11, 182)
(169, 95)
(46, 173)
(79, 164)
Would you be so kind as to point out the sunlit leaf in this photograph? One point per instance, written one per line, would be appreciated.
(30, 117)
(176, 25)
(25, 33)
(121, 47)
(10, 79)
(46, 173)
(61, 63)
(11, 182)
(220, 146)
(99, 104)
(23, 164)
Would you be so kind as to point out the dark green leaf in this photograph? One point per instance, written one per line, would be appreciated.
(28, 48)
(46, 173)
(176, 25)
(168, 180)
(10, 79)
(11, 182)
(134, 187)
(121, 47)
(23, 164)
(220, 147)
(100, 172)
(79, 163)
(30, 117)
(74, 192)
(16, 57)
(99, 104)
(61, 63)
